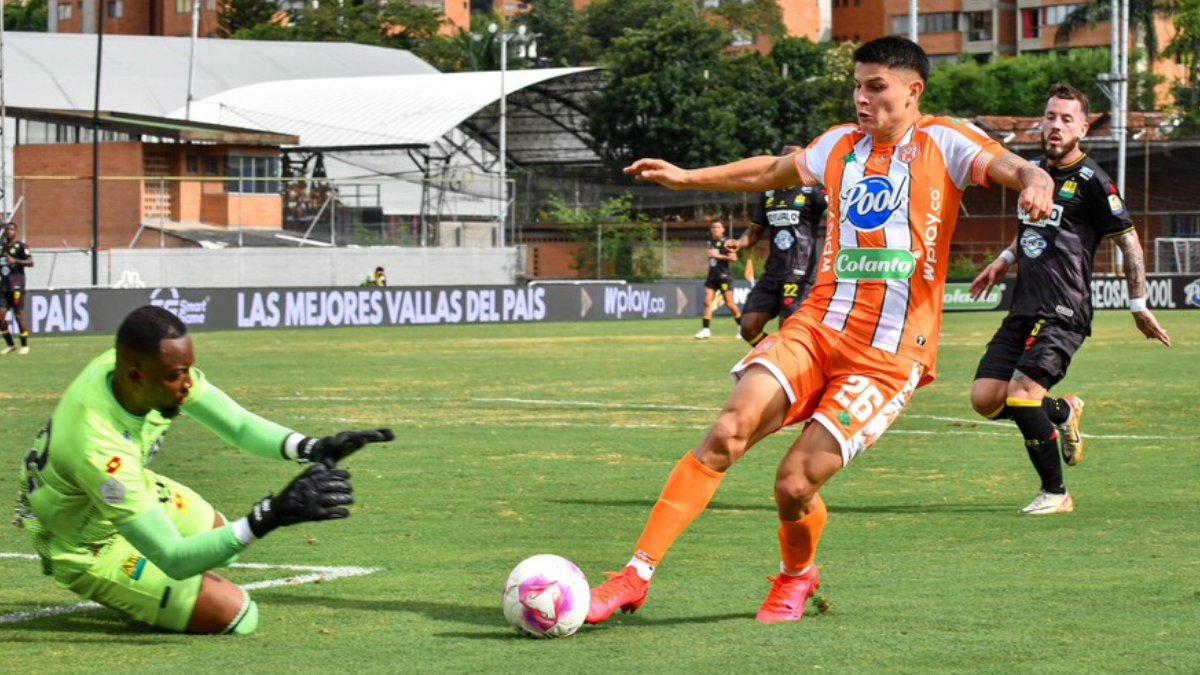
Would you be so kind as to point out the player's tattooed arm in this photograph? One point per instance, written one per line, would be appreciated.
(1134, 263)
(1135, 277)
(1036, 196)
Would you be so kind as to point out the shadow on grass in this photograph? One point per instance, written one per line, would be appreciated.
(438, 611)
(507, 633)
(647, 504)
(836, 508)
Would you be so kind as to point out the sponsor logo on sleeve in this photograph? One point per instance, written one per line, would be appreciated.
(113, 465)
(1086, 173)
(112, 491)
(1115, 205)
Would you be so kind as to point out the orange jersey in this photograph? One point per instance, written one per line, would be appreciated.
(892, 211)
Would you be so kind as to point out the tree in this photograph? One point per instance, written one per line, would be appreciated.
(609, 241)
(1185, 48)
(755, 17)
(600, 24)
(244, 15)
(1142, 14)
(816, 91)
(29, 16)
(663, 96)
(550, 22)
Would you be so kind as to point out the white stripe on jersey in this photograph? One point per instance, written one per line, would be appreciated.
(897, 235)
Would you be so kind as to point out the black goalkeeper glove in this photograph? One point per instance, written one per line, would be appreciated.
(333, 449)
(319, 493)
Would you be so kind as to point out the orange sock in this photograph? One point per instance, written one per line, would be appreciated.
(798, 539)
(688, 490)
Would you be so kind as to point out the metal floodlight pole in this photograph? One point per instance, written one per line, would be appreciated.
(187, 110)
(504, 37)
(912, 20)
(96, 152)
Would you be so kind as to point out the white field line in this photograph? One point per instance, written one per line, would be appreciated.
(316, 573)
(692, 408)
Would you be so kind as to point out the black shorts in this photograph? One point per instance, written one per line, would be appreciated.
(721, 284)
(1041, 350)
(12, 297)
(777, 297)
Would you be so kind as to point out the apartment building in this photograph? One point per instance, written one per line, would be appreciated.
(984, 28)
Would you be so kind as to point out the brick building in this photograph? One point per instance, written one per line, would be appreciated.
(153, 172)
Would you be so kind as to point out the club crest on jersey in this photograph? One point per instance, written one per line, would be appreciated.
(870, 202)
(784, 239)
(1068, 189)
(908, 153)
(1032, 243)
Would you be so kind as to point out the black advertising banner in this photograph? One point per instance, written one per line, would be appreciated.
(83, 311)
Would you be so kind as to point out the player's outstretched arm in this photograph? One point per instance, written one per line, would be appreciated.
(994, 272)
(748, 239)
(1036, 188)
(1135, 278)
(333, 449)
(319, 493)
(754, 174)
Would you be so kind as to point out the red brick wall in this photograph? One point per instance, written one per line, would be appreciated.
(58, 206)
(145, 17)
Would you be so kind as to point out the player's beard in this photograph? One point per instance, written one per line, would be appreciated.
(169, 412)
(1058, 152)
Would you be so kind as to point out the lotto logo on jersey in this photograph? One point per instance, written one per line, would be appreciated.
(869, 203)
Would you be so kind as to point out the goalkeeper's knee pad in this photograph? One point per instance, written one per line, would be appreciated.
(247, 621)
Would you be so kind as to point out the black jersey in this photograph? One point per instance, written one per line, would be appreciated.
(719, 269)
(791, 217)
(13, 275)
(1054, 280)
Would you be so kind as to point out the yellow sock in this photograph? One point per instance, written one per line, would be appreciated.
(798, 539)
(687, 492)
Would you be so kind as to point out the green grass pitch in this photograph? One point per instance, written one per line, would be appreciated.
(523, 439)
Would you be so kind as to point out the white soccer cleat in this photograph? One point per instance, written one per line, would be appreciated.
(7, 350)
(23, 351)
(1046, 503)
(704, 334)
(1069, 439)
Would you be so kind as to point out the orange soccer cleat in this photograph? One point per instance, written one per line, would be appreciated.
(624, 590)
(785, 601)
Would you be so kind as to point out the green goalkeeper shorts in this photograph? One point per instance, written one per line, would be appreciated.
(117, 576)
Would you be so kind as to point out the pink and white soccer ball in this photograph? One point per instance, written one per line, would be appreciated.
(546, 596)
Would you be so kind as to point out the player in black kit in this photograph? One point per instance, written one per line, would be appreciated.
(1051, 313)
(791, 217)
(16, 258)
(720, 278)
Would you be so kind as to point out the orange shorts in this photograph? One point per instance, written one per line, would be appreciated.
(853, 390)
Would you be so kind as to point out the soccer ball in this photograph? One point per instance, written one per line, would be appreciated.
(546, 596)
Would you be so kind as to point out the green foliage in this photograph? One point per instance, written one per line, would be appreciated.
(249, 16)
(30, 16)
(1013, 86)
(611, 243)
(664, 94)
(1185, 49)
(400, 25)
(550, 21)
(755, 17)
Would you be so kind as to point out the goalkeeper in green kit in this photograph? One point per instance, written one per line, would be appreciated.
(111, 530)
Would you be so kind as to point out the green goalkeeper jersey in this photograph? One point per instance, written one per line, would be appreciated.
(87, 474)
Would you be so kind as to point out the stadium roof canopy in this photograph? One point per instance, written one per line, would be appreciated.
(369, 111)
